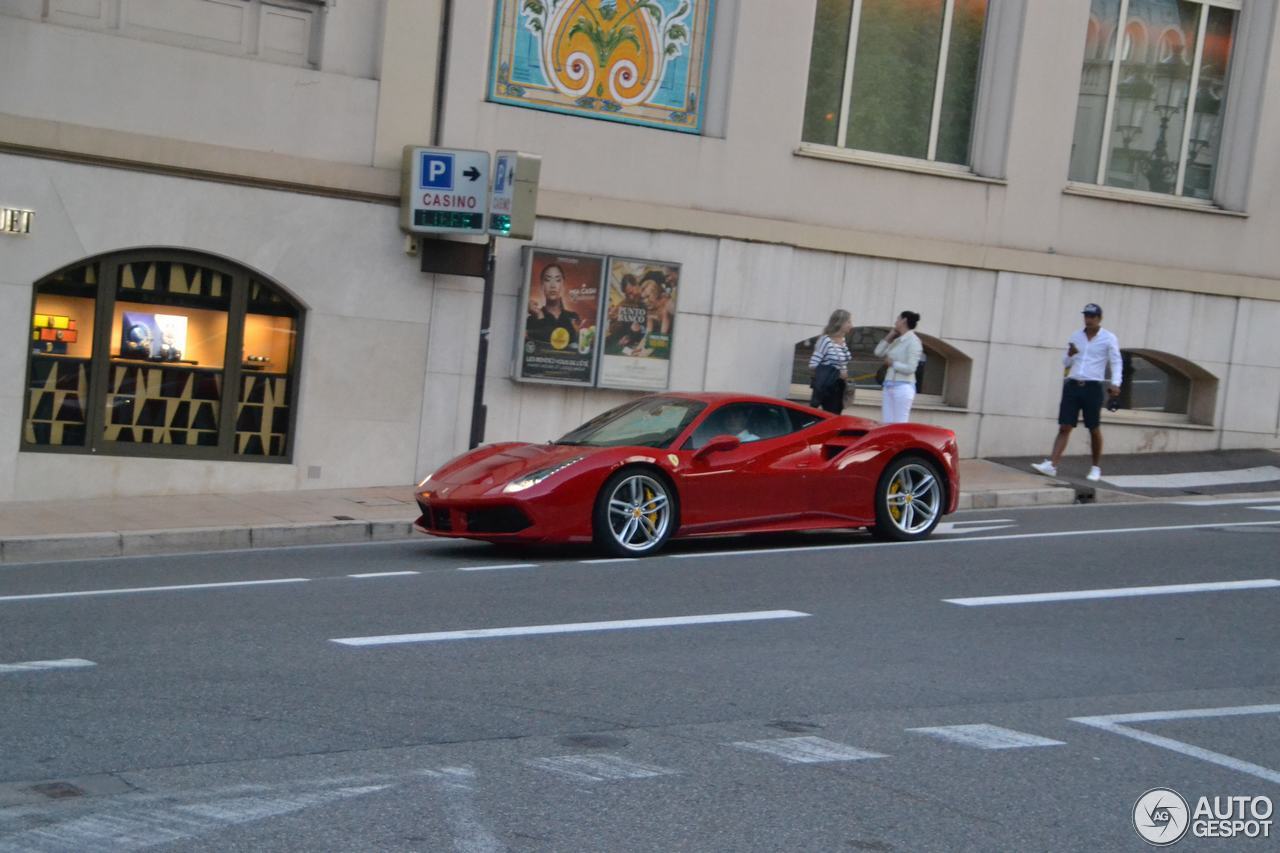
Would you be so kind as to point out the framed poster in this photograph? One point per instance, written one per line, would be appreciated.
(639, 324)
(638, 61)
(560, 303)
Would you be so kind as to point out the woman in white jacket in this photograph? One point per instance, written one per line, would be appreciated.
(902, 351)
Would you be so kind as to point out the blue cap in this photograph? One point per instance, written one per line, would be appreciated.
(1092, 308)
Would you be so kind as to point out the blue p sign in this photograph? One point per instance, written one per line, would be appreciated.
(437, 172)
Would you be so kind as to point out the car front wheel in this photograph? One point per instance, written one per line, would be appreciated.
(634, 513)
(909, 499)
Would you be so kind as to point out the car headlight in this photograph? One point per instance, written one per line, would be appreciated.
(535, 477)
(425, 480)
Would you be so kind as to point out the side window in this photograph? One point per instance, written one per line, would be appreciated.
(896, 78)
(747, 422)
(801, 420)
(1150, 113)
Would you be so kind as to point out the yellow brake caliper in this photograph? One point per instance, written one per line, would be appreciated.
(895, 509)
(648, 499)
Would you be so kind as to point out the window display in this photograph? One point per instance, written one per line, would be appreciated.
(58, 379)
(158, 374)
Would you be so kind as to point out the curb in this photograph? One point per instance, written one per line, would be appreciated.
(132, 543)
(1055, 496)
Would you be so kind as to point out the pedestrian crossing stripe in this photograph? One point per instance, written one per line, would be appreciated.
(598, 767)
(807, 750)
(983, 736)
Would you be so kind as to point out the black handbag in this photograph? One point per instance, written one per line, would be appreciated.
(881, 374)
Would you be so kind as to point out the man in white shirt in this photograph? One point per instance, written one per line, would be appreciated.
(1090, 351)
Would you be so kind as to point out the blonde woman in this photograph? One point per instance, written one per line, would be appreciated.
(830, 363)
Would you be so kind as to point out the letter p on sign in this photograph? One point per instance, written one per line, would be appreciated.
(437, 171)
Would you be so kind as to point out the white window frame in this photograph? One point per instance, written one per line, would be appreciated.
(1117, 57)
(846, 92)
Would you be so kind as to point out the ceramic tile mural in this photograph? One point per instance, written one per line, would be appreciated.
(639, 62)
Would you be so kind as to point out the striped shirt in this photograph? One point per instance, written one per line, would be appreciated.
(828, 351)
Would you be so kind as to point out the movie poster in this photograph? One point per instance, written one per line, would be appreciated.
(639, 325)
(560, 303)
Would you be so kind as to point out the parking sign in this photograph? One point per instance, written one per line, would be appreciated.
(444, 190)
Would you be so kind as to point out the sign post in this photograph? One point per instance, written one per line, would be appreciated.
(447, 191)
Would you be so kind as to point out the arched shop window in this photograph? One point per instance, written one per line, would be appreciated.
(1164, 385)
(170, 354)
(941, 379)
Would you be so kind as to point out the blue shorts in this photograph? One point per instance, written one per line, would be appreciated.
(1080, 397)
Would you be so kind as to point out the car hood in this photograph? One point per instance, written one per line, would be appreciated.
(486, 466)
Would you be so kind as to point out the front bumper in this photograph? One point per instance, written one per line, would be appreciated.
(496, 521)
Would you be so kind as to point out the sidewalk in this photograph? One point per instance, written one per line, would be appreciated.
(114, 527)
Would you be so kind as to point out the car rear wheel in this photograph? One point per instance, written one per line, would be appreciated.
(634, 514)
(909, 499)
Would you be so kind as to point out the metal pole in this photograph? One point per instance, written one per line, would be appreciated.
(478, 410)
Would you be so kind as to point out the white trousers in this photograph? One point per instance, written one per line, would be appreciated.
(895, 405)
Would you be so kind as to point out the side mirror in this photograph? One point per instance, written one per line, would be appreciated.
(718, 444)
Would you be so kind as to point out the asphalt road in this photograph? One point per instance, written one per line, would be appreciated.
(770, 693)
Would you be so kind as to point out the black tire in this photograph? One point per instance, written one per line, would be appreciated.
(620, 525)
(910, 499)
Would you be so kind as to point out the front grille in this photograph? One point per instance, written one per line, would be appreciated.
(502, 519)
(440, 519)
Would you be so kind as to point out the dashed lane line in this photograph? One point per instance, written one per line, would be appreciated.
(43, 665)
(1119, 592)
(964, 539)
(138, 589)
(497, 568)
(382, 574)
(570, 628)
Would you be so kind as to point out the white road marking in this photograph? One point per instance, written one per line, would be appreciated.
(599, 768)
(954, 528)
(1227, 502)
(457, 788)
(807, 750)
(149, 589)
(985, 736)
(153, 824)
(498, 568)
(570, 628)
(999, 538)
(1113, 723)
(1120, 592)
(610, 560)
(1272, 508)
(37, 665)
(1191, 480)
(382, 574)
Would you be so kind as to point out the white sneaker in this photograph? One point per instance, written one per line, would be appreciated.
(1094, 475)
(1046, 467)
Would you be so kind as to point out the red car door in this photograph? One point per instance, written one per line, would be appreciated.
(761, 482)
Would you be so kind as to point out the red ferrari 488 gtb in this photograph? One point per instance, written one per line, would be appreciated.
(681, 465)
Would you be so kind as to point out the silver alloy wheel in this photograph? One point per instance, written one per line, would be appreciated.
(914, 499)
(639, 512)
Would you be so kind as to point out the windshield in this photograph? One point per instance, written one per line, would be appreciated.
(647, 422)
